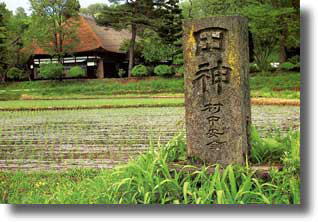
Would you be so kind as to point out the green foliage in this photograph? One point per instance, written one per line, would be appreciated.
(170, 26)
(163, 70)
(272, 85)
(139, 71)
(288, 66)
(92, 88)
(180, 71)
(254, 68)
(178, 59)
(262, 55)
(275, 25)
(4, 39)
(266, 25)
(266, 150)
(15, 74)
(54, 25)
(276, 85)
(162, 17)
(91, 103)
(155, 50)
(131, 14)
(292, 64)
(282, 80)
(76, 72)
(150, 179)
(125, 47)
(291, 157)
(51, 71)
(121, 73)
(18, 26)
(93, 10)
(295, 60)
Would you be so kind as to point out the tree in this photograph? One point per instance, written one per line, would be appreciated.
(17, 27)
(93, 10)
(133, 14)
(4, 38)
(20, 12)
(289, 25)
(275, 24)
(170, 28)
(155, 50)
(54, 25)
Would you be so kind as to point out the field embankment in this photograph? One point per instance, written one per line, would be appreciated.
(278, 85)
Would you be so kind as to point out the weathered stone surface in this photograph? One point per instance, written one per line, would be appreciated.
(218, 110)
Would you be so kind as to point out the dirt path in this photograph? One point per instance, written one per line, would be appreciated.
(55, 140)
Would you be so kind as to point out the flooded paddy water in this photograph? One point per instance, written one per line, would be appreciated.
(104, 138)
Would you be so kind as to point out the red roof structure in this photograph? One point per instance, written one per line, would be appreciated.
(94, 37)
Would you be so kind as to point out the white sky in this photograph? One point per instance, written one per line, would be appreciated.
(13, 4)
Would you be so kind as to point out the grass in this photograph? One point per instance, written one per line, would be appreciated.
(92, 88)
(276, 85)
(117, 102)
(90, 103)
(149, 180)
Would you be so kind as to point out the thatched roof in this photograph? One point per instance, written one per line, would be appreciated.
(92, 37)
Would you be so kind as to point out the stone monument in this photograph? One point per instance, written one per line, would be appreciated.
(217, 96)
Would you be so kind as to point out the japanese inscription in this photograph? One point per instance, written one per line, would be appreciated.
(210, 39)
(216, 89)
(214, 73)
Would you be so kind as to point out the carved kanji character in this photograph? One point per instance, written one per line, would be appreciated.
(213, 119)
(209, 40)
(220, 74)
(215, 145)
(214, 133)
(212, 108)
(204, 74)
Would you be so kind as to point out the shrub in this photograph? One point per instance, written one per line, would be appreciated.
(76, 72)
(293, 64)
(139, 71)
(121, 73)
(15, 74)
(178, 60)
(254, 68)
(163, 70)
(295, 59)
(51, 71)
(180, 71)
(288, 66)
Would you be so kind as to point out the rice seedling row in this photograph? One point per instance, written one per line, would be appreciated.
(59, 140)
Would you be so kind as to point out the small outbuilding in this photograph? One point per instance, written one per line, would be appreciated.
(97, 51)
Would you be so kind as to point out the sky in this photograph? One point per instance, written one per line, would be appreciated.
(13, 4)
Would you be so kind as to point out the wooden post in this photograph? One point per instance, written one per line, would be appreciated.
(217, 96)
(100, 69)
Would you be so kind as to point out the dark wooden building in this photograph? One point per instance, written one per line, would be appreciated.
(97, 52)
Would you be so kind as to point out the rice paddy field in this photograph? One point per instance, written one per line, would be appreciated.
(103, 138)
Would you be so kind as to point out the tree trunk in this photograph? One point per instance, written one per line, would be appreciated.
(282, 48)
(132, 49)
(190, 9)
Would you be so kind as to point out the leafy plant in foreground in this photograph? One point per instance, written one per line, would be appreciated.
(150, 179)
